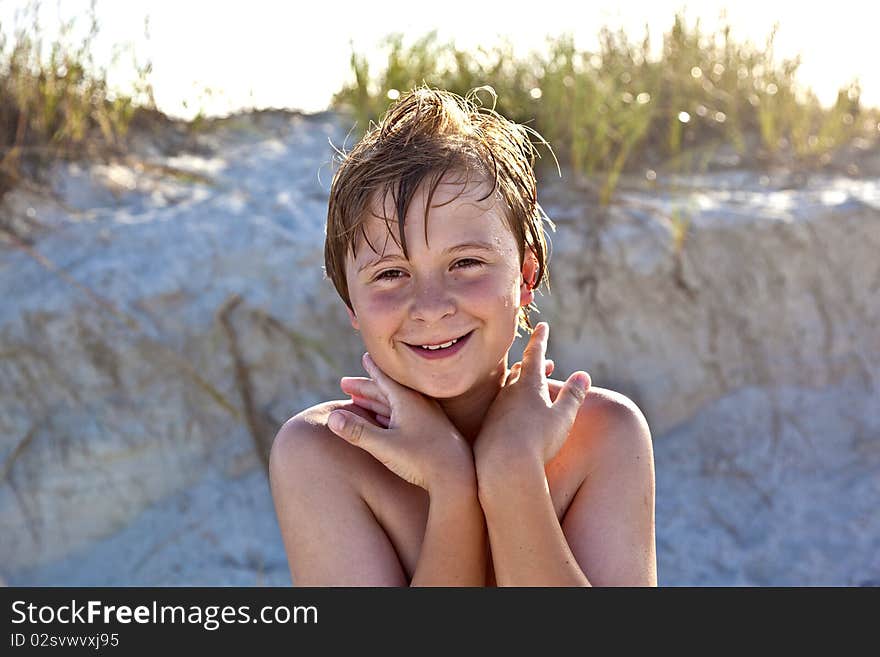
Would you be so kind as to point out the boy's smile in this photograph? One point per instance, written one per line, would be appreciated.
(443, 349)
(462, 284)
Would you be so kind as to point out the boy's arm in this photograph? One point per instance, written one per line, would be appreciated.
(436, 458)
(333, 538)
(422, 447)
(608, 531)
(527, 543)
(454, 548)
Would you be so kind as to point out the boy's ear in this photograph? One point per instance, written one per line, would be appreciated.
(529, 272)
(353, 318)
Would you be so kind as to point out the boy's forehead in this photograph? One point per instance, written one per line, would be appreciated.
(455, 210)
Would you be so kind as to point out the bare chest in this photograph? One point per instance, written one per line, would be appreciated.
(402, 511)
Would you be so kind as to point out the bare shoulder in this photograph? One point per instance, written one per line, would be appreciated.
(317, 481)
(609, 524)
(306, 427)
(306, 444)
(609, 425)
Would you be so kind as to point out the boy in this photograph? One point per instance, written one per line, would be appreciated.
(447, 467)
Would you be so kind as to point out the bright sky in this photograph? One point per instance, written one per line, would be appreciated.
(267, 53)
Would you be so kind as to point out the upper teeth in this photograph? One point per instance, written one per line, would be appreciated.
(440, 346)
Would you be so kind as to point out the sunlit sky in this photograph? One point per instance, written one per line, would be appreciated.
(263, 53)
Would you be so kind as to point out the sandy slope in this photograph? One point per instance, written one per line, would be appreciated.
(131, 455)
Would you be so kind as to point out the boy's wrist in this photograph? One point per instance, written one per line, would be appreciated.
(456, 474)
(506, 467)
(457, 483)
(501, 452)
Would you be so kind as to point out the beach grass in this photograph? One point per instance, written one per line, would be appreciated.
(618, 109)
(55, 102)
(612, 111)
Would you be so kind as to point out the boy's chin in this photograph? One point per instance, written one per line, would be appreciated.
(440, 390)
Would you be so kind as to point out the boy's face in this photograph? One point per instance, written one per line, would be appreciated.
(444, 291)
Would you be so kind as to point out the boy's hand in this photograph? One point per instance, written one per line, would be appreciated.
(364, 392)
(516, 369)
(420, 444)
(522, 425)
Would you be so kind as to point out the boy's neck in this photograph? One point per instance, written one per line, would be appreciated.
(468, 411)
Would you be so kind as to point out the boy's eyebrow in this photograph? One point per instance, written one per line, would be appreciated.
(464, 246)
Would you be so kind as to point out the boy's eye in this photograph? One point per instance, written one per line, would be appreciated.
(382, 275)
(393, 274)
(471, 261)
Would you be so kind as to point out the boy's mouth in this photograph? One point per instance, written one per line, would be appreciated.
(443, 350)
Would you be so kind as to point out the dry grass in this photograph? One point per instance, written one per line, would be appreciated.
(55, 102)
(618, 110)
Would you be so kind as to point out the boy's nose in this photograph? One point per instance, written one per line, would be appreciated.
(430, 303)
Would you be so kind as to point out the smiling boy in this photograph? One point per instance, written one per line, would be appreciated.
(447, 466)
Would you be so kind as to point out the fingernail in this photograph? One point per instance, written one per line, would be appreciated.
(336, 421)
(581, 381)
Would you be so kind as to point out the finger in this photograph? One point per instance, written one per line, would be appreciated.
(516, 370)
(572, 395)
(363, 387)
(371, 405)
(535, 352)
(513, 373)
(352, 428)
(389, 387)
(369, 437)
(549, 365)
(354, 383)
